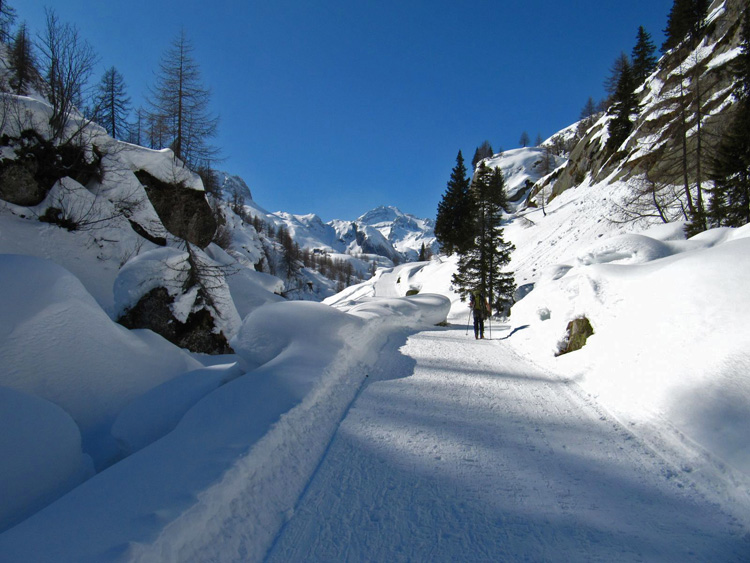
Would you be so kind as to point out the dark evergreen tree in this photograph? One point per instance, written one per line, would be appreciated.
(480, 266)
(113, 104)
(589, 110)
(624, 104)
(644, 58)
(685, 20)
(453, 228)
(524, 140)
(483, 151)
(615, 76)
(22, 62)
(729, 203)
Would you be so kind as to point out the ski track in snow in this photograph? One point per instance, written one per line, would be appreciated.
(460, 450)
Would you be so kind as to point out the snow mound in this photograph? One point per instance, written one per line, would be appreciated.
(158, 411)
(625, 249)
(40, 446)
(670, 332)
(266, 333)
(58, 344)
(427, 309)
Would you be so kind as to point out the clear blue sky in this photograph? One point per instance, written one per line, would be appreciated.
(336, 107)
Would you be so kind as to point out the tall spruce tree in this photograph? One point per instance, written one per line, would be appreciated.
(685, 20)
(22, 62)
(113, 104)
(643, 57)
(481, 265)
(483, 151)
(453, 228)
(624, 104)
(729, 203)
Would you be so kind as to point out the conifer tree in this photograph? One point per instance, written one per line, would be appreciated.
(615, 75)
(453, 228)
(113, 104)
(524, 140)
(729, 203)
(623, 106)
(686, 19)
(179, 106)
(644, 59)
(483, 151)
(480, 266)
(589, 110)
(22, 62)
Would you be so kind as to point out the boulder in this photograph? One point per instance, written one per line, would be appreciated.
(183, 211)
(578, 332)
(198, 333)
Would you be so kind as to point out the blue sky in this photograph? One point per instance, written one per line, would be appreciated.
(336, 107)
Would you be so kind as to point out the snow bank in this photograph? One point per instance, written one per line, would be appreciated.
(671, 338)
(423, 278)
(58, 344)
(235, 464)
(158, 411)
(40, 446)
(424, 309)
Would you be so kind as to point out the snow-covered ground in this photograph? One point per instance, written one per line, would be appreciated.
(466, 452)
(325, 435)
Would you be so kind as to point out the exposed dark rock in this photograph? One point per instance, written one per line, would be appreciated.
(18, 186)
(39, 164)
(578, 332)
(184, 212)
(160, 241)
(196, 334)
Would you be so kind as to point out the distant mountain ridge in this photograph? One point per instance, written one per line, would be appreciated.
(385, 231)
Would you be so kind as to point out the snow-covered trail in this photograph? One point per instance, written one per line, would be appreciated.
(479, 456)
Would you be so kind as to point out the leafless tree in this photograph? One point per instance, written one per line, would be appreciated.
(67, 61)
(179, 106)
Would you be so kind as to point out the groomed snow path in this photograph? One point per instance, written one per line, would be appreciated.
(459, 450)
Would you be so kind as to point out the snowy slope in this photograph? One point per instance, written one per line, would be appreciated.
(522, 168)
(669, 352)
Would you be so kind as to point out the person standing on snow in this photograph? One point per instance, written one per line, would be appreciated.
(480, 308)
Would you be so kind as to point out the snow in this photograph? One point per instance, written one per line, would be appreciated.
(522, 167)
(158, 411)
(58, 344)
(460, 450)
(257, 437)
(356, 429)
(40, 446)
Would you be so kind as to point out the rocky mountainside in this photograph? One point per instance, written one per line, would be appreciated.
(684, 105)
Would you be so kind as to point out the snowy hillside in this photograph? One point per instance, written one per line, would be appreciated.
(522, 168)
(669, 354)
